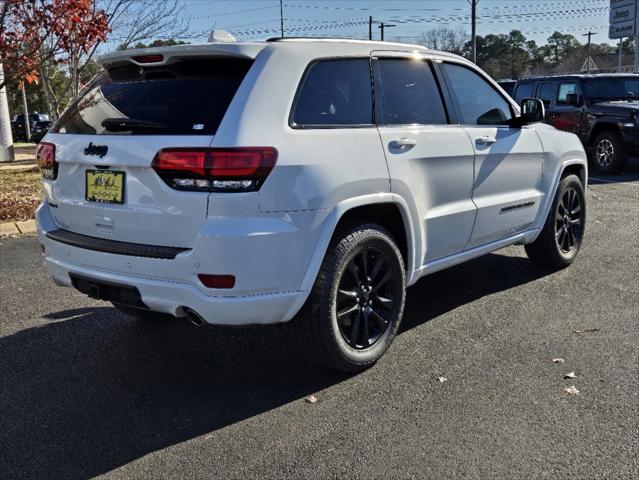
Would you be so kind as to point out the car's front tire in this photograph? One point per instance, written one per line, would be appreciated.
(609, 153)
(355, 307)
(560, 239)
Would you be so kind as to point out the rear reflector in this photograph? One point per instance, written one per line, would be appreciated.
(148, 58)
(45, 157)
(215, 169)
(217, 281)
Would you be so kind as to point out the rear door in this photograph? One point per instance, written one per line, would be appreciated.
(508, 161)
(547, 93)
(107, 140)
(430, 158)
(565, 116)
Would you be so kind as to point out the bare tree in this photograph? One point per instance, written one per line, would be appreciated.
(131, 21)
(134, 21)
(446, 39)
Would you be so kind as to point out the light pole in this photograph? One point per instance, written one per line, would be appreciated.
(6, 140)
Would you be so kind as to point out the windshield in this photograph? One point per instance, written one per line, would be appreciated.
(185, 98)
(612, 88)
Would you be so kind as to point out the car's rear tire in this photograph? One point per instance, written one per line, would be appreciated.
(356, 304)
(609, 154)
(561, 237)
(144, 315)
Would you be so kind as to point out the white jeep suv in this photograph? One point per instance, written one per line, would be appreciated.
(298, 179)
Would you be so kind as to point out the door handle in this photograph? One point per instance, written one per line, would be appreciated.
(486, 140)
(403, 143)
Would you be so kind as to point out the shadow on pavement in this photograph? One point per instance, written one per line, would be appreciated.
(630, 174)
(91, 390)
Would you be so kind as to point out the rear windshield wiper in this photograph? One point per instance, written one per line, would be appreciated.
(127, 124)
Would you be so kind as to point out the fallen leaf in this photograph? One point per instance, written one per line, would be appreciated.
(442, 379)
(558, 360)
(571, 390)
(311, 399)
(587, 330)
(570, 375)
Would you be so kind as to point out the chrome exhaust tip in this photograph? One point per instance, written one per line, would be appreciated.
(194, 317)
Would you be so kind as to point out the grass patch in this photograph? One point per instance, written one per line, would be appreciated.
(20, 194)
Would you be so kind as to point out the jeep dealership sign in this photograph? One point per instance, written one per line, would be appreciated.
(623, 18)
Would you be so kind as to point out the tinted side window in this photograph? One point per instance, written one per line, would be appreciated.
(478, 101)
(409, 93)
(524, 90)
(335, 92)
(566, 89)
(547, 92)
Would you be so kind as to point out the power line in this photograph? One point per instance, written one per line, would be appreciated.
(421, 9)
(505, 14)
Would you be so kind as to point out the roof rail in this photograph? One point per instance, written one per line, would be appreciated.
(280, 39)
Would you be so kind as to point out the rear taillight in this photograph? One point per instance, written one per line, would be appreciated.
(45, 156)
(215, 169)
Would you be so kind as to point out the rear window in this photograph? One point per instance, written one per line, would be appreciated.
(186, 98)
(335, 93)
(524, 90)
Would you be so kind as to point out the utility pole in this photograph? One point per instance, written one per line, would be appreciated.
(370, 28)
(620, 55)
(589, 35)
(473, 28)
(25, 109)
(383, 25)
(282, 17)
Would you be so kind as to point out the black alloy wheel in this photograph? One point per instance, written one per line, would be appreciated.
(568, 221)
(367, 294)
(355, 307)
(562, 234)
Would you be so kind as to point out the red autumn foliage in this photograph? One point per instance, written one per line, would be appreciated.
(32, 31)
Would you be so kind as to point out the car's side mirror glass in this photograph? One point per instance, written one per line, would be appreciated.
(532, 111)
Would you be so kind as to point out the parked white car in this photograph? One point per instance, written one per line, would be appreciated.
(298, 179)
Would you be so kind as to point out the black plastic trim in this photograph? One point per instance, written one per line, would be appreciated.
(108, 291)
(113, 246)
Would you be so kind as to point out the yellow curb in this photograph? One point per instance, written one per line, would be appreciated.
(27, 227)
(9, 229)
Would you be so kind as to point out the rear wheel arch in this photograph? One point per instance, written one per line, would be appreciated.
(388, 215)
(386, 209)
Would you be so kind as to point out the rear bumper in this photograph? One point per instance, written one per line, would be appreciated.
(171, 297)
(269, 266)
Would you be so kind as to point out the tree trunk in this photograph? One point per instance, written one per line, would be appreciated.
(52, 103)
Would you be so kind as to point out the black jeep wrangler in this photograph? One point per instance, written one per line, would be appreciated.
(600, 108)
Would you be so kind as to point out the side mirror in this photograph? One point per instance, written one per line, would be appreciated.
(573, 99)
(532, 111)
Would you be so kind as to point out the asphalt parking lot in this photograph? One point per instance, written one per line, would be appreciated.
(85, 391)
